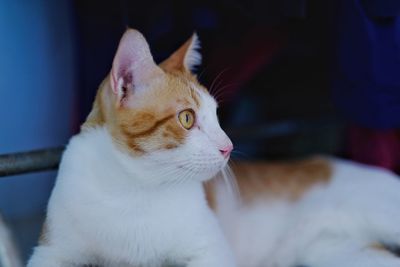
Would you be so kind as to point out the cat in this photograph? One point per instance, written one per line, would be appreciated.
(316, 212)
(134, 186)
(129, 188)
(9, 255)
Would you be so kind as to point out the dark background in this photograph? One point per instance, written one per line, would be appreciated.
(293, 78)
(269, 61)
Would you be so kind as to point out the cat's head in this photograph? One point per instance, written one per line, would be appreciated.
(160, 114)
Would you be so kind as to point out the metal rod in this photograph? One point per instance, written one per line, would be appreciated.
(31, 161)
(49, 159)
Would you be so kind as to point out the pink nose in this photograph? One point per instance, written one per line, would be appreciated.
(226, 151)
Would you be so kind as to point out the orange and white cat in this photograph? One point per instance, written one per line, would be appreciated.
(130, 186)
(129, 189)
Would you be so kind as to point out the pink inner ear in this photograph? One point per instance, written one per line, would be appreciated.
(114, 82)
(133, 62)
(122, 66)
(124, 73)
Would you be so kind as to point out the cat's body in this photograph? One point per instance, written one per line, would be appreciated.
(129, 190)
(109, 221)
(9, 256)
(130, 186)
(317, 213)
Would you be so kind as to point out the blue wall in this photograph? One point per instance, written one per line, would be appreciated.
(37, 83)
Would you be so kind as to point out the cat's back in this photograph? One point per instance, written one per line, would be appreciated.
(303, 199)
(289, 180)
(292, 181)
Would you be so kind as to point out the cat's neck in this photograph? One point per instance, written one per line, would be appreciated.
(95, 170)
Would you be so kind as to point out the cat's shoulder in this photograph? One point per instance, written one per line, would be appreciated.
(85, 149)
(89, 140)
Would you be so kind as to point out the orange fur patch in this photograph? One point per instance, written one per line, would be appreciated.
(289, 180)
(393, 250)
(131, 130)
(144, 122)
(151, 123)
(176, 60)
(209, 188)
(196, 98)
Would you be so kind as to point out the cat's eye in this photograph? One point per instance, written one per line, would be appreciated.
(186, 118)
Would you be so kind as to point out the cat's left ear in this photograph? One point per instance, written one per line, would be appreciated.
(186, 58)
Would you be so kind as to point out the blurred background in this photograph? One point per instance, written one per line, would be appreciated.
(293, 78)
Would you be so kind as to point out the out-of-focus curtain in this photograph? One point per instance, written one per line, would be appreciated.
(37, 83)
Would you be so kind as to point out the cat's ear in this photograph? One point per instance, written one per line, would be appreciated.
(133, 65)
(186, 58)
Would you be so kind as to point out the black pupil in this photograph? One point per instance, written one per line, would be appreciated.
(187, 117)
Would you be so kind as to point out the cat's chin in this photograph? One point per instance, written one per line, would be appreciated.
(213, 173)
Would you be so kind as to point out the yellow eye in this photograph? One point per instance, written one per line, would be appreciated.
(186, 118)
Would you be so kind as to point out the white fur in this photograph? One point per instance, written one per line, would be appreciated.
(8, 252)
(111, 208)
(331, 226)
(193, 57)
(133, 63)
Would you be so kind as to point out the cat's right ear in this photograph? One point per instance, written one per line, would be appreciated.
(133, 65)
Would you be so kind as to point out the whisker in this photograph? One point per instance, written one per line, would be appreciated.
(190, 176)
(167, 169)
(176, 180)
(220, 90)
(217, 86)
(172, 162)
(240, 153)
(224, 96)
(187, 175)
(230, 182)
(202, 72)
(216, 78)
(233, 179)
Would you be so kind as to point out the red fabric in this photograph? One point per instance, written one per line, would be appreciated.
(375, 147)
